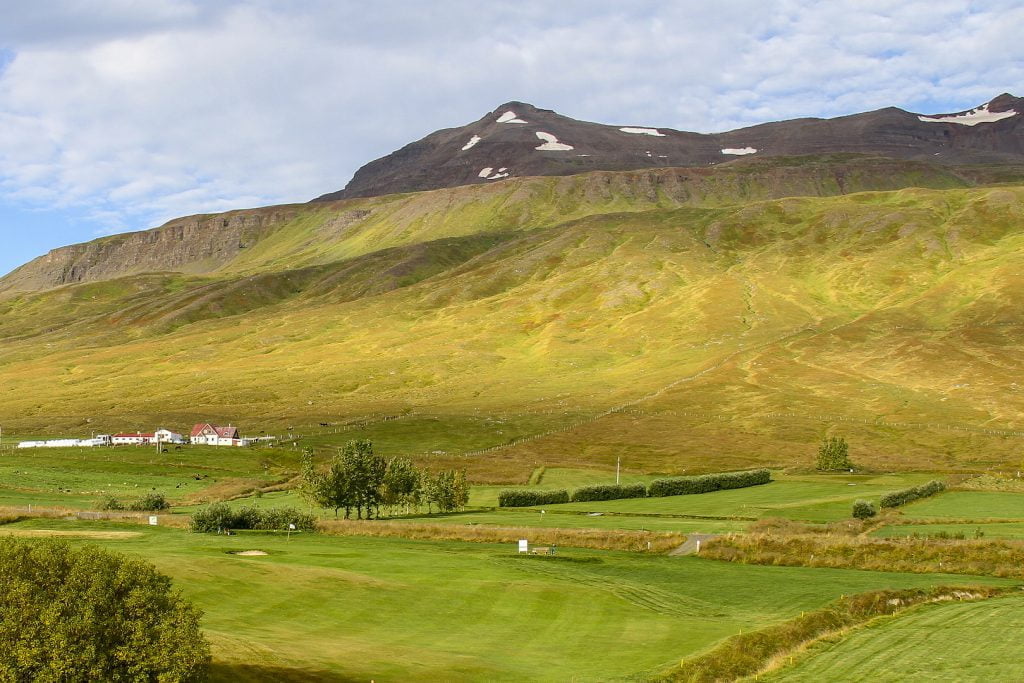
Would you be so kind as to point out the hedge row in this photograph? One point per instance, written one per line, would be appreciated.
(521, 498)
(220, 517)
(608, 492)
(706, 483)
(898, 498)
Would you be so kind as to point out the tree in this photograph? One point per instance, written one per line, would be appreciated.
(87, 614)
(329, 489)
(401, 486)
(834, 454)
(366, 475)
(448, 490)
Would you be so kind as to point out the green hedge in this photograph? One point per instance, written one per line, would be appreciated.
(521, 498)
(898, 498)
(608, 492)
(220, 516)
(706, 483)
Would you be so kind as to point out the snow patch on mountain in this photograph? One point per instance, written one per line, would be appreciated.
(739, 151)
(510, 117)
(472, 141)
(643, 131)
(551, 143)
(489, 174)
(970, 118)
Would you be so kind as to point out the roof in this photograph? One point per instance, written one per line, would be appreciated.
(136, 434)
(222, 432)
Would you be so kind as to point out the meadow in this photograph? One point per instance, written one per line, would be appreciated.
(959, 641)
(323, 608)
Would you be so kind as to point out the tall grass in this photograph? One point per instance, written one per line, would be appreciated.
(596, 539)
(921, 556)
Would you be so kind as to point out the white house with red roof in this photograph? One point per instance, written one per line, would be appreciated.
(207, 434)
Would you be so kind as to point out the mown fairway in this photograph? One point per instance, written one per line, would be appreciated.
(970, 641)
(979, 505)
(1008, 530)
(805, 497)
(390, 609)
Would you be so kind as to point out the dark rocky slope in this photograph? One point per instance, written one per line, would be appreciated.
(518, 139)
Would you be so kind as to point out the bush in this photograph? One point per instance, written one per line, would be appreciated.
(608, 492)
(706, 483)
(109, 503)
(151, 502)
(219, 517)
(863, 509)
(898, 498)
(88, 614)
(521, 498)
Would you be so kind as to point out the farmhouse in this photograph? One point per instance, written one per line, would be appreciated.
(136, 439)
(167, 436)
(207, 434)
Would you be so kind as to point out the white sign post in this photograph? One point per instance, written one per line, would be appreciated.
(153, 520)
(524, 546)
(291, 528)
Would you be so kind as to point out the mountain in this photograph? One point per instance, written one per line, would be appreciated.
(681, 319)
(518, 139)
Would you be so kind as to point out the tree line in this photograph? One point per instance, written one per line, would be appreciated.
(360, 480)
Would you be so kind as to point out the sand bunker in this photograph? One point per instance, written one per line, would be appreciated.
(248, 553)
(48, 533)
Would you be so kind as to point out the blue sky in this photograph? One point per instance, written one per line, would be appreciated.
(118, 115)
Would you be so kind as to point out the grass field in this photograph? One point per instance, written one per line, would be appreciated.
(969, 641)
(389, 609)
(1007, 530)
(79, 477)
(804, 497)
(569, 322)
(978, 505)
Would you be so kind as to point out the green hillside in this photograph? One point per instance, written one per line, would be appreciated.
(578, 318)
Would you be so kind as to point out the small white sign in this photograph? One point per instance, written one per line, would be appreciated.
(153, 521)
(524, 546)
(291, 527)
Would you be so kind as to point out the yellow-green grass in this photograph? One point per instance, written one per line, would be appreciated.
(965, 505)
(80, 477)
(1007, 530)
(730, 336)
(959, 641)
(390, 609)
(552, 518)
(807, 497)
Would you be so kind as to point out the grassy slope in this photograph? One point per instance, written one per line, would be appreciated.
(388, 609)
(722, 335)
(958, 641)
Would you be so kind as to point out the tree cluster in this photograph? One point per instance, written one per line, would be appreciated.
(834, 454)
(358, 479)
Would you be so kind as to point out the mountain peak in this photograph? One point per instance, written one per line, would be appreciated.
(520, 139)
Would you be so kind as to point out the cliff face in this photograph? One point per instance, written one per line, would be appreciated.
(193, 244)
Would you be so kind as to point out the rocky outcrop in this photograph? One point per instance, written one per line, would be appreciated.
(193, 244)
(518, 139)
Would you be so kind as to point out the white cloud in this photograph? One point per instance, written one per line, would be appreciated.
(134, 113)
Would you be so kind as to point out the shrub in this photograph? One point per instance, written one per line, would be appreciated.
(898, 498)
(863, 509)
(219, 516)
(521, 498)
(85, 613)
(706, 483)
(109, 503)
(151, 502)
(608, 492)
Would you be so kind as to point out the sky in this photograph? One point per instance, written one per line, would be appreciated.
(118, 115)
